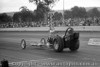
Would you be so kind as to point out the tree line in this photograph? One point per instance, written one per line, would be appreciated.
(25, 15)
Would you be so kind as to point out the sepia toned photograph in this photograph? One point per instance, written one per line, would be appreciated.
(49, 33)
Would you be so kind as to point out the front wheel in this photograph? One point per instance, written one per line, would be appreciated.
(43, 41)
(23, 44)
(58, 44)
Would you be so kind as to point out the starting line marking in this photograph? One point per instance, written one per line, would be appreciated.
(94, 41)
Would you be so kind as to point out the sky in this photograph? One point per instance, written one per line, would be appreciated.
(14, 5)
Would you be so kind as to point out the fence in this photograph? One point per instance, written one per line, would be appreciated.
(76, 28)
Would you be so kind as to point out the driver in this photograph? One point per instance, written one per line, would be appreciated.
(69, 32)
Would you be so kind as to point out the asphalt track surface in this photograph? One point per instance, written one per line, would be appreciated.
(86, 56)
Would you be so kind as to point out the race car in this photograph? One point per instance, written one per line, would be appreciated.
(69, 40)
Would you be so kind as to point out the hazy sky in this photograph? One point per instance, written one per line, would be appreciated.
(14, 5)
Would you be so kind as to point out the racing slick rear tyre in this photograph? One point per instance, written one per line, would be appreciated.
(58, 44)
(74, 46)
(23, 44)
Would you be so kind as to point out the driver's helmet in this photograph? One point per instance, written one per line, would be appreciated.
(70, 30)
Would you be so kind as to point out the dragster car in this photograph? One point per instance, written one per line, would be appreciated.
(69, 40)
(57, 43)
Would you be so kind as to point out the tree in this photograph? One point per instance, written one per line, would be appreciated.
(17, 17)
(23, 9)
(43, 7)
(67, 14)
(4, 18)
(94, 13)
(48, 3)
(41, 11)
(25, 15)
(78, 12)
(57, 16)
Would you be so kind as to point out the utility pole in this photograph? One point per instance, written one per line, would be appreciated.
(63, 12)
